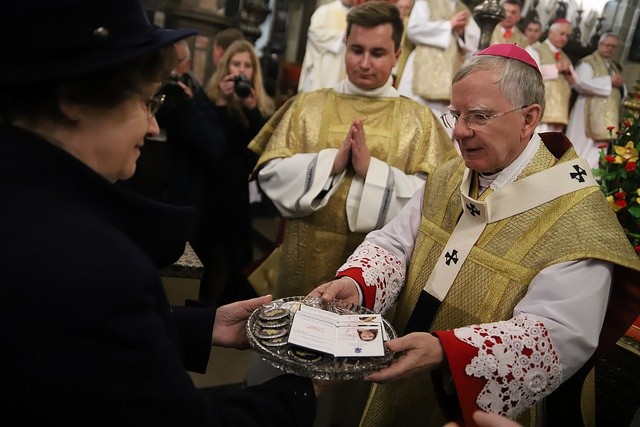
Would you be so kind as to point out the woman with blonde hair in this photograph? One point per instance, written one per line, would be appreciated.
(240, 59)
(236, 89)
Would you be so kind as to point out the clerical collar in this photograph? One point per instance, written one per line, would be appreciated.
(509, 174)
(387, 90)
(551, 46)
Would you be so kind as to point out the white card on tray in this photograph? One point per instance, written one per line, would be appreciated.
(351, 335)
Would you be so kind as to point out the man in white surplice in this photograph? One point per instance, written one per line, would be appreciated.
(595, 114)
(340, 162)
(448, 31)
(558, 74)
(498, 272)
(323, 63)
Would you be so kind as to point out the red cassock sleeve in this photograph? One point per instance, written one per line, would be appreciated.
(368, 292)
(459, 354)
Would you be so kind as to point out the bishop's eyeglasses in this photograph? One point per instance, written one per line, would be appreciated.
(473, 121)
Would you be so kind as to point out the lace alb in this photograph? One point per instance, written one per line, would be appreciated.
(518, 361)
(381, 269)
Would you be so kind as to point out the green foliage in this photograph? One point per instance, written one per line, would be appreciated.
(619, 175)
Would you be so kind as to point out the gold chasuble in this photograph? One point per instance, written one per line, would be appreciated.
(557, 91)
(399, 131)
(515, 36)
(601, 112)
(433, 68)
(497, 270)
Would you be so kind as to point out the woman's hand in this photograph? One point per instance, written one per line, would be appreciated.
(343, 288)
(229, 328)
(420, 351)
(250, 102)
(187, 90)
(225, 87)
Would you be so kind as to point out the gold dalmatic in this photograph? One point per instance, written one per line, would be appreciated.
(400, 132)
(433, 68)
(496, 274)
(601, 112)
(557, 91)
(516, 37)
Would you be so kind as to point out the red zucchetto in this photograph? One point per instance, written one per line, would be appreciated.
(512, 51)
(561, 21)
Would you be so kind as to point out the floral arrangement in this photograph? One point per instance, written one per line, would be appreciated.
(619, 174)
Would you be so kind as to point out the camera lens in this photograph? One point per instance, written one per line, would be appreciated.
(242, 86)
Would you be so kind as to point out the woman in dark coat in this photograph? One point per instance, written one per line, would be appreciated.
(243, 106)
(88, 335)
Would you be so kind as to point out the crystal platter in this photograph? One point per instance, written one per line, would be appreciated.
(268, 328)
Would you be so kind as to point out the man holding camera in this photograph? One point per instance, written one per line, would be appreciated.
(172, 167)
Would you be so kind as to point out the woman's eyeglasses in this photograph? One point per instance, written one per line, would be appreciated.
(153, 104)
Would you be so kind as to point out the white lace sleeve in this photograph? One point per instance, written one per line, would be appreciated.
(517, 359)
(381, 269)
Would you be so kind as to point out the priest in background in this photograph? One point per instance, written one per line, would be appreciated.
(323, 64)
(595, 114)
(558, 74)
(507, 30)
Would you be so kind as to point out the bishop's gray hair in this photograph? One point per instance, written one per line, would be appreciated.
(519, 83)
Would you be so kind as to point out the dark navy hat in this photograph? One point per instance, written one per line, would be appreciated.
(49, 39)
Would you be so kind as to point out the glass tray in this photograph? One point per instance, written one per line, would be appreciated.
(268, 337)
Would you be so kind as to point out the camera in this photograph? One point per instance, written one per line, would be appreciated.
(175, 77)
(242, 85)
